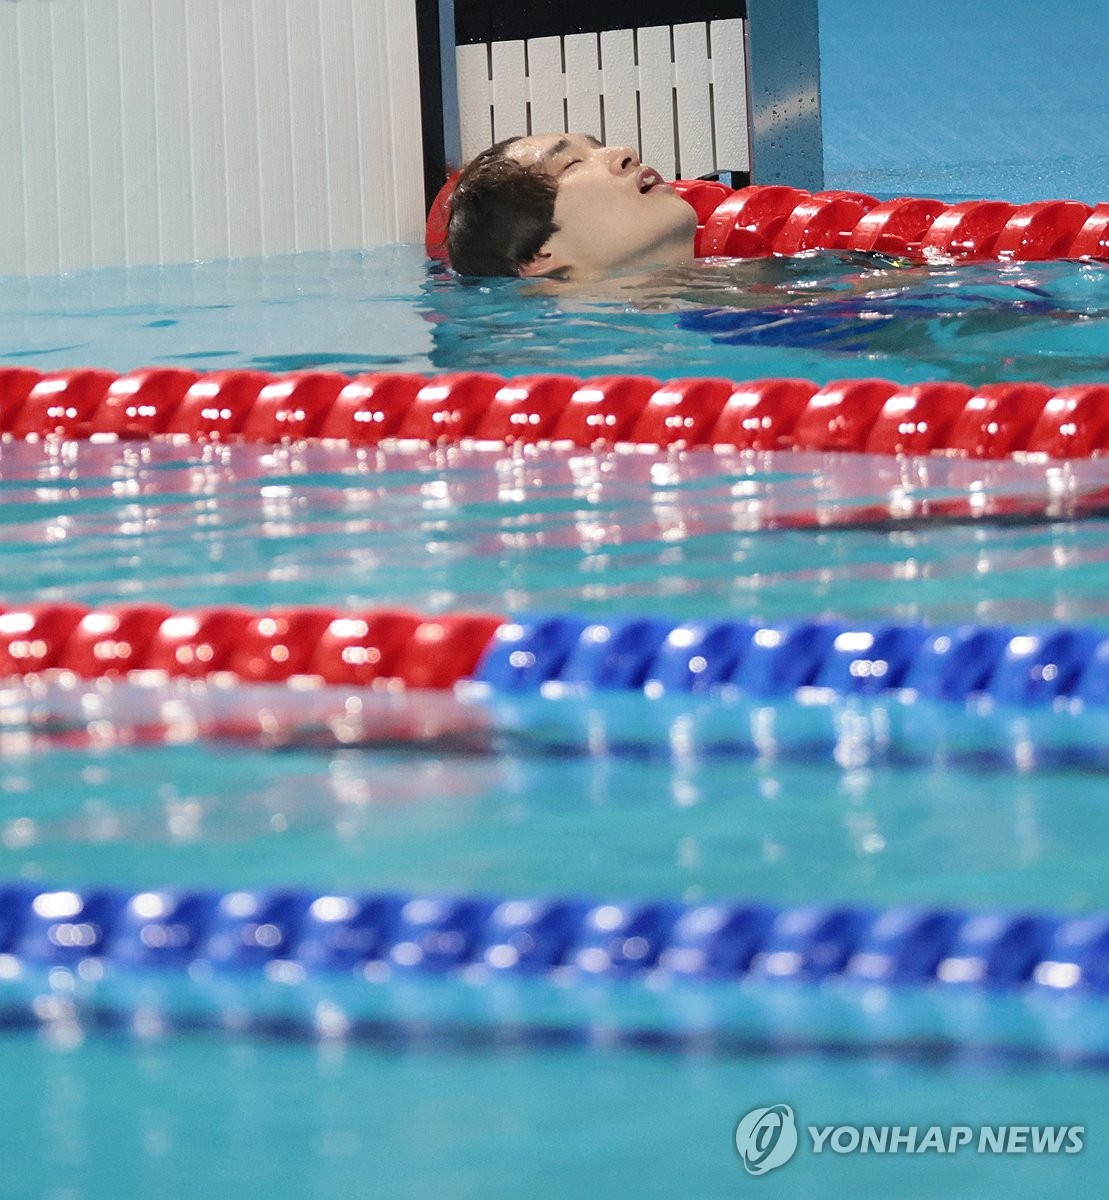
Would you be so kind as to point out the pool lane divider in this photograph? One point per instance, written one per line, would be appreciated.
(554, 655)
(174, 928)
(871, 416)
(761, 220)
(617, 972)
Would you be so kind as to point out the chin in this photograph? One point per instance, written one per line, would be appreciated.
(683, 227)
(687, 219)
(682, 218)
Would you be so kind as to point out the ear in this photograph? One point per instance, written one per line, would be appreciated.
(544, 264)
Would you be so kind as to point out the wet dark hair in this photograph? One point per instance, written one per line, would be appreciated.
(501, 215)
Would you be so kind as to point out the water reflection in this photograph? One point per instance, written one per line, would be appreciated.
(694, 533)
(945, 831)
(822, 315)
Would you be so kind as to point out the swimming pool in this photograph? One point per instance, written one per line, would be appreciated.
(407, 1108)
(382, 310)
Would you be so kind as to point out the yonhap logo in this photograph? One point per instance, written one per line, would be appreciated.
(766, 1138)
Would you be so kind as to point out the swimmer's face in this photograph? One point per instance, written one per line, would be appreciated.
(613, 214)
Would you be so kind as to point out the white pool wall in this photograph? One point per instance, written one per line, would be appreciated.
(136, 132)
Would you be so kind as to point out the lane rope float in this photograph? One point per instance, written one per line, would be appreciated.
(559, 655)
(368, 934)
(872, 416)
(931, 982)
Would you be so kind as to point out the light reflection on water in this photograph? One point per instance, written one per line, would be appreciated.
(764, 535)
(525, 822)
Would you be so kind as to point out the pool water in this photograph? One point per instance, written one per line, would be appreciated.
(382, 310)
(520, 822)
(189, 1117)
(93, 1114)
(538, 530)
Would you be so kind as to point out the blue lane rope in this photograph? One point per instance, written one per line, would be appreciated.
(381, 935)
(563, 655)
(926, 984)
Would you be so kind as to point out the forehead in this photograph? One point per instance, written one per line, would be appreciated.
(536, 146)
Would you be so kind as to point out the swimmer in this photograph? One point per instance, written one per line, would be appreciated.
(564, 210)
(590, 222)
(563, 206)
(571, 214)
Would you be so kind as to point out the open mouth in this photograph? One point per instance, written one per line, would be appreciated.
(648, 179)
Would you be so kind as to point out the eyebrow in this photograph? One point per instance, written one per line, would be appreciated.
(563, 144)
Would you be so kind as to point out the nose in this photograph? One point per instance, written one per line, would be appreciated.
(622, 159)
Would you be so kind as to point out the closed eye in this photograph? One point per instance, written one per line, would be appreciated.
(572, 163)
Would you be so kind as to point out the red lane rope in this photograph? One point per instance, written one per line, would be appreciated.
(758, 221)
(390, 650)
(761, 220)
(386, 647)
(873, 416)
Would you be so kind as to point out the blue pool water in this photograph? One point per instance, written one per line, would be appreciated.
(288, 1120)
(94, 1114)
(998, 99)
(382, 310)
